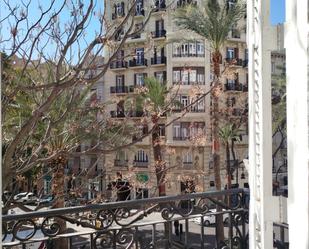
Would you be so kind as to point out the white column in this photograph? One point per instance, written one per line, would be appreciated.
(263, 207)
(296, 43)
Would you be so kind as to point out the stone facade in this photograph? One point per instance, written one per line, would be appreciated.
(156, 53)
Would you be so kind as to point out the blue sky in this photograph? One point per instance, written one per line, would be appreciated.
(277, 14)
(277, 9)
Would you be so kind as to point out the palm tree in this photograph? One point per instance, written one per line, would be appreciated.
(155, 98)
(213, 22)
(228, 134)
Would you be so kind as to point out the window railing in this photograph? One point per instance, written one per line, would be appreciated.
(158, 60)
(138, 62)
(238, 87)
(118, 64)
(121, 224)
(158, 33)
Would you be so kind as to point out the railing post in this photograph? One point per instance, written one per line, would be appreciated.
(187, 232)
(91, 241)
(230, 231)
(202, 232)
(153, 236)
(135, 237)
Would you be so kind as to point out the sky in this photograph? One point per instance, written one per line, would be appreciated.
(277, 11)
(277, 14)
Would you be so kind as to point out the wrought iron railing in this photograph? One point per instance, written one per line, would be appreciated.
(159, 222)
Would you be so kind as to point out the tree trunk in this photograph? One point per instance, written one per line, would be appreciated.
(159, 164)
(228, 166)
(58, 193)
(216, 59)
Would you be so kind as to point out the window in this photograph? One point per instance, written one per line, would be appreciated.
(230, 102)
(197, 128)
(193, 76)
(200, 49)
(119, 80)
(139, 10)
(176, 76)
(139, 79)
(189, 76)
(273, 67)
(199, 106)
(192, 49)
(185, 132)
(176, 130)
(176, 50)
(139, 52)
(141, 156)
(120, 9)
(230, 54)
(119, 34)
(184, 49)
(160, 76)
(161, 130)
(184, 100)
(185, 77)
(187, 158)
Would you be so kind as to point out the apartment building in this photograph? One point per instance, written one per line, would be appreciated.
(181, 60)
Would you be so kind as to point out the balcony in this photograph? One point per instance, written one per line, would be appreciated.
(159, 34)
(140, 12)
(237, 87)
(129, 114)
(117, 114)
(181, 138)
(136, 223)
(185, 55)
(119, 65)
(234, 61)
(245, 63)
(142, 164)
(183, 3)
(140, 62)
(187, 165)
(121, 89)
(158, 60)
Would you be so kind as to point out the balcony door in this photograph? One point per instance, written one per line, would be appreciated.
(139, 52)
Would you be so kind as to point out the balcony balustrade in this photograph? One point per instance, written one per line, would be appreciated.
(138, 62)
(120, 163)
(234, 61)
(238, 87)
(158, 33)
(119, 65)
(143, 164)
(129, 114)
(121, 89)
(158, 60)
(136, 223)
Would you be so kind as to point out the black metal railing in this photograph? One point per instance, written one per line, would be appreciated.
(188, 54)
(138, 62)
(158, 60)
(121, 89)
(158, 33)
(118, 64)
(158, 222)
(238, 87)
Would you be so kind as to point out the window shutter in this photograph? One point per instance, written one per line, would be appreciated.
(135, 79)
(122, 76)
(155, 74)
(227, 52)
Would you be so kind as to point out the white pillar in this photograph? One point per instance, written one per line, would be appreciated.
(296, 43)
(263, 207)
